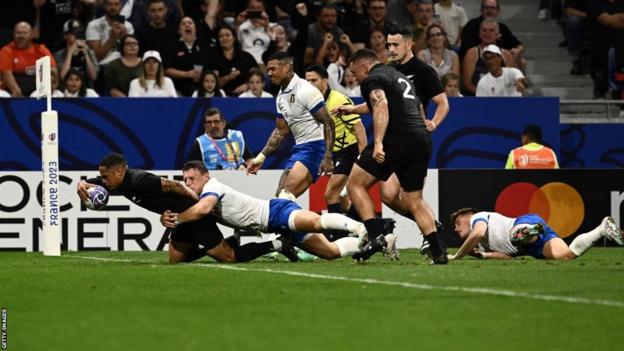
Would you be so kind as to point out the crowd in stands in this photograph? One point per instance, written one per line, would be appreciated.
(212, 48)
(593, 32)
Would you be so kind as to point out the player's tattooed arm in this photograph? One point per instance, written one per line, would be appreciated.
(379, 103)
(329, 129)
(323, 117)
(277, 136)
(177, 188)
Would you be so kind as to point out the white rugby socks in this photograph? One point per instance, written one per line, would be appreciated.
(337, 221)
(584, 241)
(285, 194)
(347, 246)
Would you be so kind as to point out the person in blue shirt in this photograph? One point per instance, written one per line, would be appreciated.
(218, 147)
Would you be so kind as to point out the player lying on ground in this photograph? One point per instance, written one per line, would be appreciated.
(504, 237)
(188, 242)
(281, 216)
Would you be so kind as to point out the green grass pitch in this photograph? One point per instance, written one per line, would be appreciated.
(136, 301)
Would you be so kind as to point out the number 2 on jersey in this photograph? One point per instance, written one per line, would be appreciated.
(408, 87)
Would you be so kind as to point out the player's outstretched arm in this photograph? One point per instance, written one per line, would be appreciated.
(329, 133)
(351, 109)
(277, 136)
(199, 210)
(177, 188)
(496, 255)
(82, 190)
(476, 234)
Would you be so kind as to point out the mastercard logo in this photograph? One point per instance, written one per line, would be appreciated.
(559, 204)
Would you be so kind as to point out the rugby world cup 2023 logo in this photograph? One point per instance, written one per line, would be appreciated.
(559, 204)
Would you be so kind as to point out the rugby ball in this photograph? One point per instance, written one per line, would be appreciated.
(98, 197)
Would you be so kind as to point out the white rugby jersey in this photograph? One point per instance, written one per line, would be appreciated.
(296, 104)
(235, 209)
(498, 235)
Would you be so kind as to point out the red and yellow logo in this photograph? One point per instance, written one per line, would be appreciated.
(559, 204)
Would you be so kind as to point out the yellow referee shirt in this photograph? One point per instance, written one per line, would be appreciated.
(344, 124)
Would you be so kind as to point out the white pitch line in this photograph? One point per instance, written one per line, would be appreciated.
(481, 291)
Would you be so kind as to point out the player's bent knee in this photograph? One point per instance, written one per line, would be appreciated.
(318, 245)
(335, 253)
(557, 249)
(177, 251)
(223, 253)
(327, 253)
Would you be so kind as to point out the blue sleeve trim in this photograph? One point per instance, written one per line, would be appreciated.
(479, 220)
(210, 193)
(279, 115)
(318, 106)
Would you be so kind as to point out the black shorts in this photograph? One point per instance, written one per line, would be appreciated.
(204, 232)
(344, 159)
(408, 160)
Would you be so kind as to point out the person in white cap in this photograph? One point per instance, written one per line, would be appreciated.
(500, 80)
(152, 82)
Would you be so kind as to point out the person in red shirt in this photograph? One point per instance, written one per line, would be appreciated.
(17, 61)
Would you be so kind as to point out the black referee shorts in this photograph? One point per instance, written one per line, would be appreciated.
(345, 159)
(409, 160)
(204, 232)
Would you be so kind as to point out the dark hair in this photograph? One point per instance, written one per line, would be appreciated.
(123, 41)
(328, 5)
(461, 212)
(364, 54)
(435, 25)
(281, 56)
(113, 159)
(403, 30)
(201, 91)
(483, 2)
(448, 77)
(83, 87)
(533, 132)
(255, 71)
(214, 111)
(156, 1)
(318, 69)
(198, 165)
(237, 47)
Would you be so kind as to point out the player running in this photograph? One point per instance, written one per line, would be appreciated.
(401, 145)
(301, 110)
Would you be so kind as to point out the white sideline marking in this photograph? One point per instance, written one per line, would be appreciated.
(482, 291)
